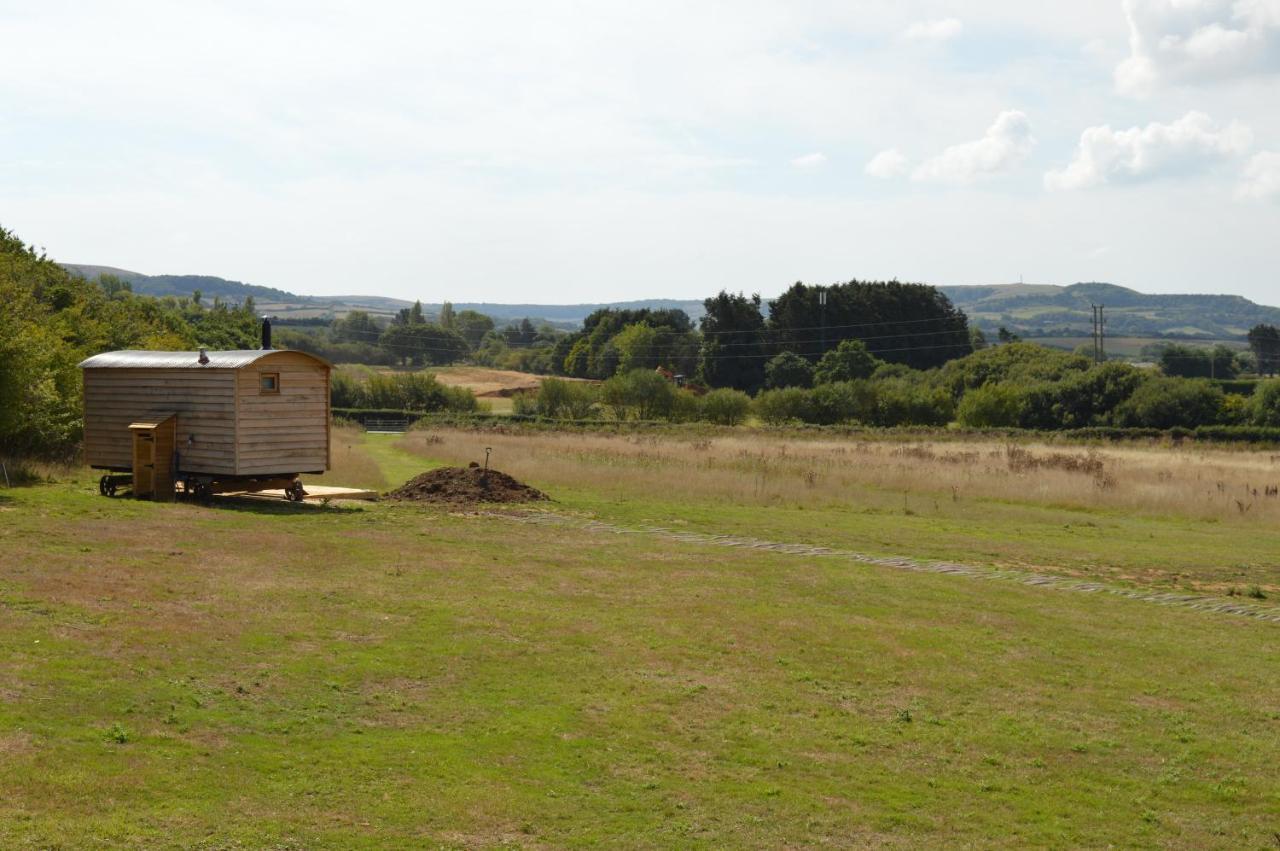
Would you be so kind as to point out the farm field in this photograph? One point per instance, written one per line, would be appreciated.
(261, 674)
(493, 387)
(1130, 347)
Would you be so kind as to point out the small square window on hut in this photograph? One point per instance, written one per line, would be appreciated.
(268, 382)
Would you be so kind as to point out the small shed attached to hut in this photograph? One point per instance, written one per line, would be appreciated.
(204, 418)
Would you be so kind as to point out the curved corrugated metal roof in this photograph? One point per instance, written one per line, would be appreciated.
(133, 359)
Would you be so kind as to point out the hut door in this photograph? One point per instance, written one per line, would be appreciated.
(152, 459)
(144, 463)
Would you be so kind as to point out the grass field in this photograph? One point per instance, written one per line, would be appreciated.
(257, 674)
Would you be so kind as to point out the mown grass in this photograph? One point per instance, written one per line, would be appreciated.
(263, 674)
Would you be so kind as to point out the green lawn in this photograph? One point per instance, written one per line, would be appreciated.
(253, 674)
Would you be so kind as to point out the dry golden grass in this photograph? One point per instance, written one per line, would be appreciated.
(486, 382)
(1192, 482)
(350, 464)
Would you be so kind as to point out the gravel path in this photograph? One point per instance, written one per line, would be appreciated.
(1056, 583)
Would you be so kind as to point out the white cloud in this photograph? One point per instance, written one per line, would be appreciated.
(1190, 144)
(1173, 41)
(1007, 142)
(934, 32)
(1261, 177)
(810, 161)
(887, 164)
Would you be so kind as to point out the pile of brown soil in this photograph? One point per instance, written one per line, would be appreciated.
(465, 486)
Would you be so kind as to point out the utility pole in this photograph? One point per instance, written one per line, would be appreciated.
(822, 309)
(1102, 335)
(1099, 334)
(1093, 330)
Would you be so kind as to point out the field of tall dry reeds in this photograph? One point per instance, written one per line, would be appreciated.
(1194, 482)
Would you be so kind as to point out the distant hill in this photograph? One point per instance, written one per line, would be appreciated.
(572, 313)
(1050, 310)
(185, 285)
(1031, 310)
(292, 306)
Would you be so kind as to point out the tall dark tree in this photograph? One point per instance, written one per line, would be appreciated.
(733, 342)
(356, 327)
(1264, 341)
(914, 324)
(1199, 362)
(471, 325)
(423, 344)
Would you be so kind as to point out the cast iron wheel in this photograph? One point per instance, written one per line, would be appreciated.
(111, 487)
(295, 492)
(102, 485)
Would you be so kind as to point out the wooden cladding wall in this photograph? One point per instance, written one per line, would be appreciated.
(204, 401)
(287, 429)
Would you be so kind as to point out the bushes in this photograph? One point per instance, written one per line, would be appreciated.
(1016, 363)
(560, 399)
(1266, 404)
(893, 402)
(903, 402)
(993, 406)
(841, 402)
(414, 391)
(786, 404)
(1169, 402)
(639, 394)
(725, 407)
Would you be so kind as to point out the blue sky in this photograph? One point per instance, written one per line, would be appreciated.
(569, 151)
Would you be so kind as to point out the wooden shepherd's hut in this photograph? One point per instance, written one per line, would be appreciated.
(212, 421)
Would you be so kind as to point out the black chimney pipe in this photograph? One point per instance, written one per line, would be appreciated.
(266, 333)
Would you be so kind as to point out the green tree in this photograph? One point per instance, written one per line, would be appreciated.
(788, 369)
(733, 342)
(472, 326)
(848, 361)
(422, 344)
(842, 401)
(356, 327)
(992, 406)
(1266, 404)
(912, 324)
(566, 400)
(1198, 362)
(51, 319)
(1170, 402)
(637, 347)
(1264, 342)
(780, 406)
(447, 316)
(726, 406)
(639, 394)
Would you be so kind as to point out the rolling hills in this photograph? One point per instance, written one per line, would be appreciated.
(1041, 310)
(1031, 310)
